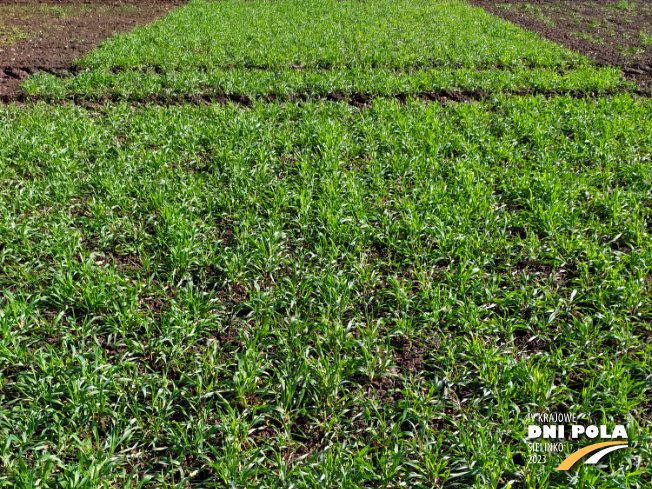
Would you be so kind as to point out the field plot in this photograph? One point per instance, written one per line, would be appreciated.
(320, 244)
(261, 50)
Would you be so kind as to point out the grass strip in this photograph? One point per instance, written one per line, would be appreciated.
(130, 85)
(329, 34)
(259, 49)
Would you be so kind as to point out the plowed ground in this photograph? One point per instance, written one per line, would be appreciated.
(616, 33)
(48, 35)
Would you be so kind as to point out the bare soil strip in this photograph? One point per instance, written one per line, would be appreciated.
(610, 32)
(48, 35)
(443, 97)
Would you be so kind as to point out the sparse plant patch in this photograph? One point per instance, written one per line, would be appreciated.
(537, 13)
(9, 35)
(646, 39)
(625, 5)
(598, 24)
(630, 51)
(588, 37)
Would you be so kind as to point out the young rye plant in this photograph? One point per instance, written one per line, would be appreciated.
(329, 282)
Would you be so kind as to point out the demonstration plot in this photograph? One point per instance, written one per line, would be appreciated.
(297, 33)
(258, 288)
(320, 244)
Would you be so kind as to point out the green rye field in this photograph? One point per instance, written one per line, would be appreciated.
(315, 244)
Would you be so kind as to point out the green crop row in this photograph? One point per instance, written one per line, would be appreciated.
(134, 85)
(321, 296)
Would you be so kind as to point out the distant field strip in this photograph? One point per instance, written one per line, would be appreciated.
(319, 48)
(323, 280)
(274, 35)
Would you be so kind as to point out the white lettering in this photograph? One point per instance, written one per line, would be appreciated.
(619, 432)
(603, 432)
(533, 431)
(592, 431)
(549, 431)
(577, 430)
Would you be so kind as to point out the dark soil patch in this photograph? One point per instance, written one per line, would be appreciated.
(560, 275)
(48, 35)
(529, 343)
(360, 100)
(408, 356)
(611, 32)
(311, 438)
(122, 263)
(154, 304)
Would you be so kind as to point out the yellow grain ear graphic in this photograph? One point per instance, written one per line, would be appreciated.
(575, 456)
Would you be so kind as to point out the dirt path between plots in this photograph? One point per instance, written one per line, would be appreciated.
(611, 32)
(358, 99)
(48, 35)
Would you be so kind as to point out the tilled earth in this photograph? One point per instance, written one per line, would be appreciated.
(48, 35)
(616, 33)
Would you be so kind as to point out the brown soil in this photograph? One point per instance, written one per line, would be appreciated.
(48, 35)
(359, 100)
(612, 32)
